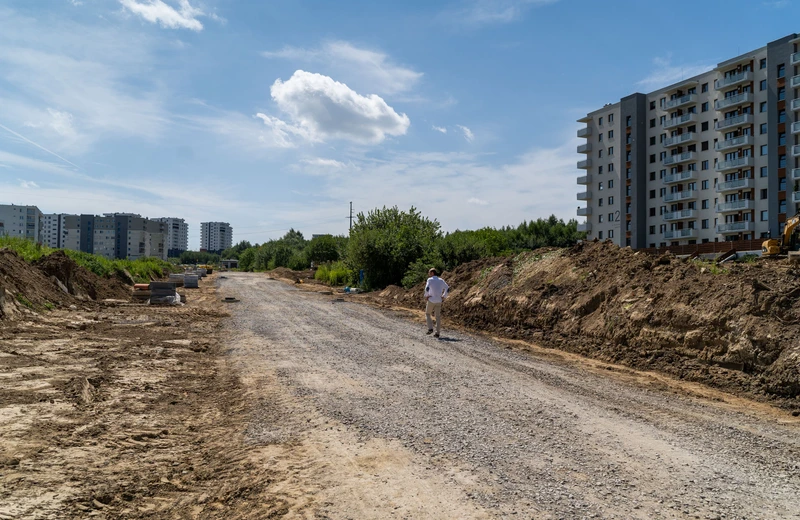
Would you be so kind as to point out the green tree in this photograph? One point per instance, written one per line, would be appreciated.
(322, 249)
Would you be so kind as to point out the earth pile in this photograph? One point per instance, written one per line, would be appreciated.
(734, 326)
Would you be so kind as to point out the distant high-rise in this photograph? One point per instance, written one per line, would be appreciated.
(21, 221)
(53, 230)
(215, 236)
(177, 235)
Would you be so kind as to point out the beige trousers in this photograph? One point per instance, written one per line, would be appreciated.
(436, 310)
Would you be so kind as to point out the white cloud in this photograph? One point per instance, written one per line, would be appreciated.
(327, 163)
(440, 129)
(367, 69)
(477, 201)
(468, 135)
(157, 11)
(666, 73)
(62, 123)
(476, 13)
(321, 108)
(27, 184)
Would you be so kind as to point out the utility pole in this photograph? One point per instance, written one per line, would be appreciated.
(351, 216)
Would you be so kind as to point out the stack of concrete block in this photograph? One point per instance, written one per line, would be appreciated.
(202, 272)
(177, 279)
(190, 281)
(164, 293)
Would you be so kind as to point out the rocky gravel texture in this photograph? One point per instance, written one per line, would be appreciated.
(476, 428)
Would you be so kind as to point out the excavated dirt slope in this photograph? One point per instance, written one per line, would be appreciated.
(735, 326)
(53, 281)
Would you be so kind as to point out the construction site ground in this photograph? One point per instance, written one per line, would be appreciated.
(301, 404)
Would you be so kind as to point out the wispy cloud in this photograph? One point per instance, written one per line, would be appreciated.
(776, 4)
(328, 163)
(665, 73)
(468, 135)
(477, 201)
(476, 13)
(440, 129)
(27, 184)
(367, 69)
(159, 12)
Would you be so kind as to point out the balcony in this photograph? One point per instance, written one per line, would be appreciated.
(796, 197)
(735, 206)
(796, 127)
(585, 148)
(736, 142)
(680, 177)
(732, 228)
(584, 212)
(679, 215)
(734, 164)
(585, 228)
(674, 234)
(586, 195)
(794, 82)
(796, 150)
(795, 59)
(796, 174)
(679, 139)
(732, 80)
(680, 120)
(734, 101)
(586, 179)
(680, 195)
(735, 185)
(585, 164)
(732, 122)
(585, 132)
(680, 101)
(795, 104)
(678, 158)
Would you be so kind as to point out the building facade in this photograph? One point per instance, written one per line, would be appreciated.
(22, 221)
(709, 159)
(215, 236)
(115, 235)
(53, 230)
(177, 235)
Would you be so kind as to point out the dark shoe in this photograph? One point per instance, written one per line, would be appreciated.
(430, 331)
(436, 335)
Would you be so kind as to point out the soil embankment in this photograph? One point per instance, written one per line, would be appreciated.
(735, 326)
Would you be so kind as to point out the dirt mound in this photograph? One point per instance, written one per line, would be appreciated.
(736, 326)
(78, 281)
(23, 287)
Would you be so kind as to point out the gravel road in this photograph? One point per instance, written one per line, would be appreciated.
(370, 418)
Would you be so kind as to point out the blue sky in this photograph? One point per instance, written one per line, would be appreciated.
(277, 113)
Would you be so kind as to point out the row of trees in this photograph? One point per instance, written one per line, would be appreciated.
(392, 246)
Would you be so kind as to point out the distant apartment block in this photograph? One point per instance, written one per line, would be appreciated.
(177, 235)
(215, 236)
(21, 221)
(53, 230)
(708, 159)
(115, 235)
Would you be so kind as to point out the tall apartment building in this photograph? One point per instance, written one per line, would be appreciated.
(177, 235)
(711, 158)
(21, 221)
(215, 236)
(53, 230)
(115, 235)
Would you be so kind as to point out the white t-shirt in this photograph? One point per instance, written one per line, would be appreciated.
(436, 288)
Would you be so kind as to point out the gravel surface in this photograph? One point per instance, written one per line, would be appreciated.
(537, 436)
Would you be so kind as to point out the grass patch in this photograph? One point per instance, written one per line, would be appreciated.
(27, 249)
(712, 267)
(334, 274)
(24, 301)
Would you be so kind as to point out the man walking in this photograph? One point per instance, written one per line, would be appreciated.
(435, 292)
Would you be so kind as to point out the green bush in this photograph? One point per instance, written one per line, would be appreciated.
(334, 274)
(27, 249)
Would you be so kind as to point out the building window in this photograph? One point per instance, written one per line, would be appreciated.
(611, 169)
(782, 139)
(600, 121)
(652, 212)
(704, 87)
(782, 116)
(782, 184)
(704, 184)
(652, 176)
(652, 140)
(599, 153)
(763, 63)
(600, 137)
(764, 193)
(611, 134)
(764, 216)
(600, 218)
(610, 150)
(600, 235)
(610, 183)
(704, 165)
(652, 158)
(763, 128)
(704, 223)
(600, 186)
(599, 170)
(704, 202)
(662, 192)
(763, 106)
(704, 107)
(662, 120)
(652, 194)
(704, 126)
(782, 206)
(610, 118)
(781, 70)
(628, 121)
(781, 93)
(610, 201)
(652, 123)
(763, 149)
(652, 106)
(764, 171)
(652, 229)
(762, 85)
(600, 202)
(782, 162)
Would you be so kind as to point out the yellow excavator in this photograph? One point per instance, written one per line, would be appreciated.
(774, 247)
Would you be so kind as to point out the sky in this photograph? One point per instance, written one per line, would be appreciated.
(276, 114)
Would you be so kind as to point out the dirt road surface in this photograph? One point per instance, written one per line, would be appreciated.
(361, 415)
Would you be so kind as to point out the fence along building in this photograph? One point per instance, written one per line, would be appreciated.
(215, 236)
(709, 159)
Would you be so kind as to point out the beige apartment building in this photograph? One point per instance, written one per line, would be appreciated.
(708, 159)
